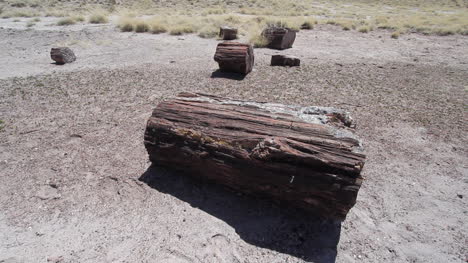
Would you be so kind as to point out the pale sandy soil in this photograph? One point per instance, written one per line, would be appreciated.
(76, 185)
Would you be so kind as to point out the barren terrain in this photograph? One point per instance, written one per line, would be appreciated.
(76, 184)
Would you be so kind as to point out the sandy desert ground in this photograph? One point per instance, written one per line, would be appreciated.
(76, 184)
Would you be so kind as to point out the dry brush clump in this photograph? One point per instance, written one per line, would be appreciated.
(98, 17)
(442, 17)
(66, 21)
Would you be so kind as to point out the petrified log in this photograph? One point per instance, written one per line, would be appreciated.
(279, 37)
(62, 55)
(227, 33)
(305, 156)
(283, 60)
(234, 57)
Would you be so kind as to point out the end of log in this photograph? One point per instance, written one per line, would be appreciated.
(227, 33)
(234, 57)
(279, 37)
(283, 60)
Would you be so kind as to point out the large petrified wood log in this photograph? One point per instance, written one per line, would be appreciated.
(306, 156)
(227, 33)
(284, 60)
(62, 55)
(234, 57)
(279, 37)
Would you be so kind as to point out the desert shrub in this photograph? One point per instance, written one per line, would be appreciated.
(277, 23)
(98, 18)
(364, 29)
(37, 19)
(30, 24)
(395, 34)
(20, 13)
(463, 31)
(214, 11)
(445, 31)
(79, 18)
(208, 32)
(182, 29)
(157, 26)
(255, 36)
(56, 13)
(158, 29)
(66, 21)
(141, 26)
(258, 41)
(126, 24)
(308, 24)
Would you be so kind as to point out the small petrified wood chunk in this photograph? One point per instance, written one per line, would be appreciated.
(62, 55)
(283, 60)
(308, 157)
(234, 57)
(227, 33)
(279, 37)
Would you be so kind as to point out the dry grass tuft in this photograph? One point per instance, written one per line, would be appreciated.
(181, 29)
(56, 13)
(20, 13)
(157, 27)
(79, 18)
(396, 34)
(203, 17)
(208, 31)
(364, 29)
(98, 17)
(141, 26)
(308, 24)
(126, 24)
(66, 21)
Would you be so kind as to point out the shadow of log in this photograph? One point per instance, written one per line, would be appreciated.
(257, 221)
(227, 75)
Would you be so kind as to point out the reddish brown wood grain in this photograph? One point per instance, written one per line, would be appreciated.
(234, 57)
(261, 148)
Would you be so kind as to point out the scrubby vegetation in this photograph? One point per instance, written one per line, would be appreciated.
(66, 21)
(98, 18)
(443, 17)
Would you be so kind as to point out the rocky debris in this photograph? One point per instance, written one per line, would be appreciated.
(284, 60)
(58, 259)
(234, 57)
(48, 192)
(62, 55)
(279, 37)
(227, 33)
(308, 157)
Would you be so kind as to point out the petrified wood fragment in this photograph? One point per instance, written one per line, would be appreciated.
(62, 55)
(227, 33)
(234, 57)
(283, 60)
(279, 37)
(305, 156)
